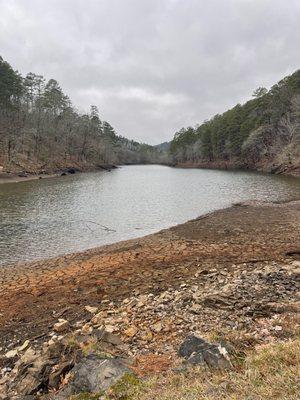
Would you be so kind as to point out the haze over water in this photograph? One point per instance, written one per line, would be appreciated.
(45, 218)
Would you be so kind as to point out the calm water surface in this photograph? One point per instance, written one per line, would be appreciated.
(46, 218)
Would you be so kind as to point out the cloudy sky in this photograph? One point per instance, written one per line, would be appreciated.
(153, 66)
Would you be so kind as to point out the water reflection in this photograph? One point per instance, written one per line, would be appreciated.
(45, 218)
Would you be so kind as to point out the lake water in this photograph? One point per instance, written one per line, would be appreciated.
(49, 217)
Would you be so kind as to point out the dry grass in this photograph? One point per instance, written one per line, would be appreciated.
(270, 372)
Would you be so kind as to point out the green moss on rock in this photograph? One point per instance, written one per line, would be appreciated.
(125, 388)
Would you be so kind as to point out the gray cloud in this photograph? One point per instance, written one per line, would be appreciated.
(153, 66)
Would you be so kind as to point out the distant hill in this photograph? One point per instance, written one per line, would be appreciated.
(165, 146)
(262, 134)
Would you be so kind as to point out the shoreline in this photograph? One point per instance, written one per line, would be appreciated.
(230, 276)
(249, 232)
(16, 178)
(227, 166)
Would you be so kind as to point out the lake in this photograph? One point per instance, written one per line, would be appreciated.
(50, 217)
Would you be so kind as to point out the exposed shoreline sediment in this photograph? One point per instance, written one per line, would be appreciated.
(34, 295)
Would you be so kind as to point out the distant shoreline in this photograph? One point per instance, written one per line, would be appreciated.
(6, 177)
(227, 166)
(15, 178)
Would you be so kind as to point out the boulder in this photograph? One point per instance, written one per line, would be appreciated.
(95, 375)
(32, 377)
(198, 351)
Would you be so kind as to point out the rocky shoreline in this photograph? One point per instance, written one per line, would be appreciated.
(24, 176)
(230, 277)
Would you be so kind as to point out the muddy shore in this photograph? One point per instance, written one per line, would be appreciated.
(232, 241)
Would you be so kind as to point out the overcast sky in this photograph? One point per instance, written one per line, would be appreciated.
(153, 66)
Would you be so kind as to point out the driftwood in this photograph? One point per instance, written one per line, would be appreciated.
(103, 227)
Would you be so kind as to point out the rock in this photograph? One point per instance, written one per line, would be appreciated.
(91, 310)
(157, 327)
(55, 376)
(61, 326)
(216, 301)
(33, 376)
(95, 375)
(147, 336)
(28, 357)
(110, 338)
(11, 353)
(131, 332)
(110, 328)
(87, 329)
(24, 345)
(191, 345)
(30, 384)
(196, 309)
(277, 328)
(198, 351)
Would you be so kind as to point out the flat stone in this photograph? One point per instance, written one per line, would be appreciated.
(11, 353)
(157, 327)
(131, 331)
(91, 310)
(61, 326)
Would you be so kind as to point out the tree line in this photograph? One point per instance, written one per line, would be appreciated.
(266, 129)
(41, 129)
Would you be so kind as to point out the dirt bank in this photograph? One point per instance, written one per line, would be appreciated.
(241, 238)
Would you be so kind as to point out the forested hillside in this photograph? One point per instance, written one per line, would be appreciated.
(263, 134)
(40, 130)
